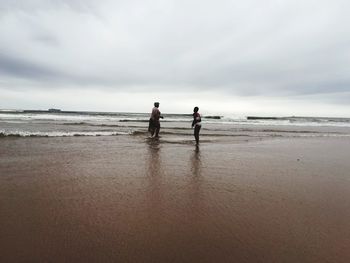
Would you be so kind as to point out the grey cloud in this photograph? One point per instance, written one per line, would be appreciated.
(35, 72)
(23, 69)
(8, 6)
(246, 48)
(47, 39)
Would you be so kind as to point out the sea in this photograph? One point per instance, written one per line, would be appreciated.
(57, 123)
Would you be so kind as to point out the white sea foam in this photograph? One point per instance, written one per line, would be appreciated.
(58, 134)
(95, 124)
(56, 117)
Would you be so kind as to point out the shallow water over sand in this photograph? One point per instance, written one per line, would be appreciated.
(132, 199)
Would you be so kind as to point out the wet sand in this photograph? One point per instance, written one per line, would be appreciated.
(129, 199)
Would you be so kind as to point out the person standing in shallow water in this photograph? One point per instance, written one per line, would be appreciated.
(154, 123)
(196, 123)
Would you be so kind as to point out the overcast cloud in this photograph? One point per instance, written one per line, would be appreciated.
(246, 56)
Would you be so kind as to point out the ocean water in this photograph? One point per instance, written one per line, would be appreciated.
(70, 123)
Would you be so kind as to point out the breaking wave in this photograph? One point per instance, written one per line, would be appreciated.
(60, 134)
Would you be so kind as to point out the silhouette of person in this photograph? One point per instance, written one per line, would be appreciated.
(154, 123)
(196, 123)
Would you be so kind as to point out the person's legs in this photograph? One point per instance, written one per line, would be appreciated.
(150, 124)
(196, 133)
(151, 127)
(157, 129)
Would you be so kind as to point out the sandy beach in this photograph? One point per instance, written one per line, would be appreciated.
(132, 199)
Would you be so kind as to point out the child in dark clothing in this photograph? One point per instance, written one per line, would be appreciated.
(196, 123)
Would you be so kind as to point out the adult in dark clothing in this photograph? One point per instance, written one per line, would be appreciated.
(154, 123)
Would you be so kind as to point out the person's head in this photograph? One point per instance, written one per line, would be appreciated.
(195, 109)
(156, 104)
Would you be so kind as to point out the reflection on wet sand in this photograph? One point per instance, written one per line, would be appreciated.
(154, 194)
(154, 157)
(196, 162)
(195, 195)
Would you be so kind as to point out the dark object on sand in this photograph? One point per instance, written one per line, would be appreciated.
(54, 110)
(261, 118)
(212, 117)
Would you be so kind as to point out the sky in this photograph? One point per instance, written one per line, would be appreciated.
(243, 57)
